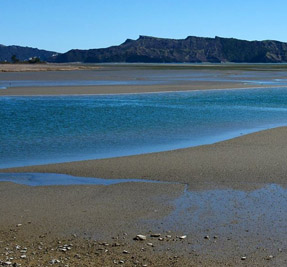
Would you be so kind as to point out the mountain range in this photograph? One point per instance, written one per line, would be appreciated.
(162, 50)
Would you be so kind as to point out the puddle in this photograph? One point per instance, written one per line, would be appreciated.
(45, 179)
(261, 212)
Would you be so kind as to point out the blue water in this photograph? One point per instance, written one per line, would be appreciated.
(34, 83)
(38, 130)
(44, 179)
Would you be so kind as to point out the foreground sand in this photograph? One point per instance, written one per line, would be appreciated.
(117, 213)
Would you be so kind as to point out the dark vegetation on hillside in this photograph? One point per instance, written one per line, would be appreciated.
(192, 49)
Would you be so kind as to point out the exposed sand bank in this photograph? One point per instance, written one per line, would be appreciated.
(126, 89)
(137, 78)
(43, 67)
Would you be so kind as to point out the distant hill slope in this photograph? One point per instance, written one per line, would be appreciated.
(191, 49)
(23, 53)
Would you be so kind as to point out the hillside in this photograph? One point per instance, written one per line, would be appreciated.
(23, 53)
(191, 49)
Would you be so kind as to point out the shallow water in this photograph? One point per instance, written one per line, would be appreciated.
(150, 80)
(40, 130)
(40, 83)
(45, 179)
(256, 216)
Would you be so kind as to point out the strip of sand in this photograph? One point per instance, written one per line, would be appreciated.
(126, 89)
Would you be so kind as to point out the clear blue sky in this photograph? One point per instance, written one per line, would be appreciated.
(61, 25)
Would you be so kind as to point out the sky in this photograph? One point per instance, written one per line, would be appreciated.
(61, 25)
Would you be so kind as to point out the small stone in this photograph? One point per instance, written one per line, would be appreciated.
(215, 237)
(54, 261)
(270, 257)
(121, 262)
(8, 263)
(125, 252)
(23, 256)
(116, 244)
(182, 237)
(207, 237)
(19, 225)
(140, 237)
(243, 258)
(160, 239)
(168, 236)
(150, 244)
(155, 235)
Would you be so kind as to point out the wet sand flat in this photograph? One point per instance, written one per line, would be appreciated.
(121, 211)
(141, 78)
(126, 89)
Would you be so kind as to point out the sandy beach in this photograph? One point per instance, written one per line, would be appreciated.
(102, 212)
(95, 225)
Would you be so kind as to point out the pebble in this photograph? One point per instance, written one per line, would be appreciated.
(270, 257)
(140, 237)
(19, 224)
(23, 256)
(207, 237)
(121, 262)
(54, 261)
(243, 258)
(182, 237)
(150, 244)
(125, 252)
(155, 235)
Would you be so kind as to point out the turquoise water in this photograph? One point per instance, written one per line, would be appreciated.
(38, 130)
